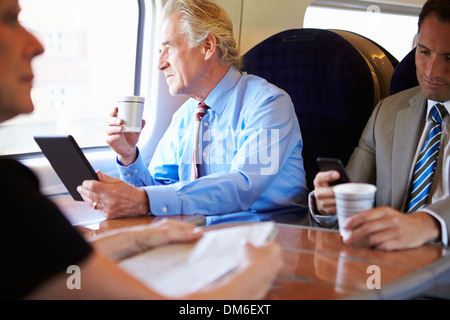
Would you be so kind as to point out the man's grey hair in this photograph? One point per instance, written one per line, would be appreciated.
(202, 17)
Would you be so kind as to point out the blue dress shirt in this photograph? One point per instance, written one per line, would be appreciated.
(251, 155)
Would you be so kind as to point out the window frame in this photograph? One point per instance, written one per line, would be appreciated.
(27, 156)
(406, 9)
(103, 156)
(398, 42)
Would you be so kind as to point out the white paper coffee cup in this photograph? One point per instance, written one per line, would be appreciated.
(352, 198)
(131, 111)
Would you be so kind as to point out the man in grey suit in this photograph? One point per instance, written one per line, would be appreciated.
(389, 149)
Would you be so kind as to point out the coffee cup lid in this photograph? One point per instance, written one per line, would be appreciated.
(132, 99)
(354, 188)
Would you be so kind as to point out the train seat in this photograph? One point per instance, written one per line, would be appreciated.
(404, 76)
(332, 84)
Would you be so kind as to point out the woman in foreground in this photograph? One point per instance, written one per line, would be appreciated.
(39, 244)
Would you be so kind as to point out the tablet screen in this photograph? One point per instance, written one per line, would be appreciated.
(68, 160)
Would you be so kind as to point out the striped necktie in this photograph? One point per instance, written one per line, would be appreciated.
(201, 111)
(426, 163)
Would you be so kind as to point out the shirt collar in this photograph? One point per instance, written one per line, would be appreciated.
(218, 98)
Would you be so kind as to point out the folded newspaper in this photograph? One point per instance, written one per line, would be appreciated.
(179, 269)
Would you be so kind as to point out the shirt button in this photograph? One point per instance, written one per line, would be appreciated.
(206, 124)
(128, 174)
(204, 154)
(164, 209)
(135, 171)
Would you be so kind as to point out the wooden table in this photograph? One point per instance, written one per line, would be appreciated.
(317, 264)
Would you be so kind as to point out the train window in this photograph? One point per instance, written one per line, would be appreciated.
(392, 26)
(89, 60)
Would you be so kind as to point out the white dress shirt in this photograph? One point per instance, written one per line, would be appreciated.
(441, 186)
(441, 183)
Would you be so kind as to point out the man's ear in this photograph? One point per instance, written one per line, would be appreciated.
(210, 46)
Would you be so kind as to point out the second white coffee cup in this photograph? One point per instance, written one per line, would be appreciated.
(131, 111)
(352, 198)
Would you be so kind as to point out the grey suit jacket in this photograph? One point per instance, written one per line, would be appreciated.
(386, 150)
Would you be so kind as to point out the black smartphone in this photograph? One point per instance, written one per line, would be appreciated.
(326, 164)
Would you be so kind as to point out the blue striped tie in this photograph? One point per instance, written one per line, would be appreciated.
(426, 163)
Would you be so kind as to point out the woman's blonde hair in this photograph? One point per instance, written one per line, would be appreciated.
(202, 17)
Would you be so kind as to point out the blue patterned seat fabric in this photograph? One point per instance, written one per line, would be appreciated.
(330, 84)
(404, 76)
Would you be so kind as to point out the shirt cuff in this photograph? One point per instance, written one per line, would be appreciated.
(163, 200)
(444, 231)
(322, 220)
(133, 173)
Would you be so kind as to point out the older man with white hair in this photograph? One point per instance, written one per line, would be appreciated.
(249, 161)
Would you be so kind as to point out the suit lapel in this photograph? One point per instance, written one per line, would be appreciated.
(408, 128)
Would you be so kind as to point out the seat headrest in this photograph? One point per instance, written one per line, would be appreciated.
(321, 71)
(405, 76)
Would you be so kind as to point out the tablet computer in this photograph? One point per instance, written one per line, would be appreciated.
(69, 162)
